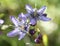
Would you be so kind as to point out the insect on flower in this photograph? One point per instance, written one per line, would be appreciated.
(21, 27)
(35, 14)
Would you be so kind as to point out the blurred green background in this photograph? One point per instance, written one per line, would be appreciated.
(15, 7)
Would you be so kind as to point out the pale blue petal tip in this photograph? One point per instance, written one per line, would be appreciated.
(45, 18)
(14, 20)
(13, 33)
(1, 21)
(21, 36)
(33, 21)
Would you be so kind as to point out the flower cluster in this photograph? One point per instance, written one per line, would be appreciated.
(36, 15)
(22, 26)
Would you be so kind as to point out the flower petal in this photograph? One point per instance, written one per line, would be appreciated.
(33, 21)
(27, 15)
(22, 16)
(13, 33)
(27, 28)
(14, 20)
(21, 35)
(41, 10)
(44, 15)
(29, 8)
(1, 21)
(43, 18)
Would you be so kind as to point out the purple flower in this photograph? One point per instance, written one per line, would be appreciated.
(1, 21)
(35, 14)
(21, 16)
(21, 27)
(38, 39)
(32, 32)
